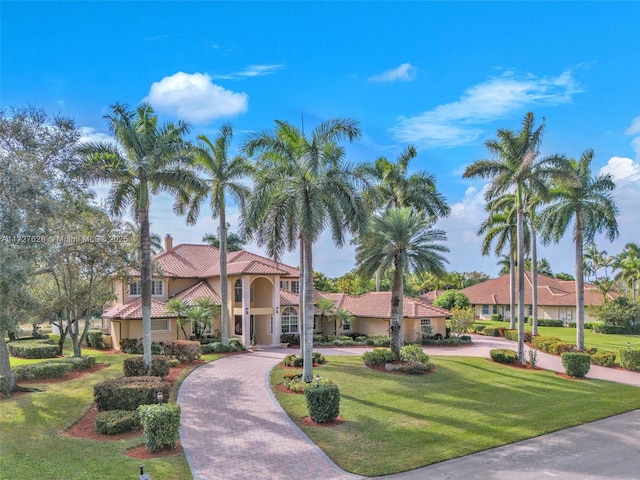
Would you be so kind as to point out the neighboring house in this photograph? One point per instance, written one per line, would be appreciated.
(263, 299)
(556, 298)
(429, 297)
(372, 315)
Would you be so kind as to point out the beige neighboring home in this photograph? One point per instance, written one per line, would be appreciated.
(263, 300)
(556, 298)
(372, 315)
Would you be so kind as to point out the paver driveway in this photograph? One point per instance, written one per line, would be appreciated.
(233, 429)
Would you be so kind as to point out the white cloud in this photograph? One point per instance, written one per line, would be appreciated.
(91, 135)
(251, 71)
(195, 98)
(634, 128)
(460, 122)
(403, 73)
(622, 169)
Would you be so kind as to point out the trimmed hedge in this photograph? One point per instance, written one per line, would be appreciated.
(377, 357)
(77, 364)
(135, 367)
(94, 339)
(497, 317)
(576, 364)
(610, 329)
(161, 426)
(38, 371)
(542, 342)
(461, 340)
(478, 328)
(128, 393)
(33, 349)
(293, 360)
(413, 353)
(113, 422)
(323, 402)
(503, 355)
(185, 350)
(493, 331)
(559, 348)
(548, 322)
(604, 358)
(630, 358)
(378, 341)
(219, 347)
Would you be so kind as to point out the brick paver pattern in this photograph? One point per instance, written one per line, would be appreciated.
(233, 429)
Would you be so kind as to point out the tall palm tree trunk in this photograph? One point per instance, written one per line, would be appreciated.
(512, 291)
(307, 369)
(521, 286)
(396, 307)
(534, 281)
(301, 293)
(378, 280)
(579, 283)
(224, 287)
(145, 284)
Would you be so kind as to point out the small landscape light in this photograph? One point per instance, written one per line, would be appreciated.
(160, 397)
(317, 379)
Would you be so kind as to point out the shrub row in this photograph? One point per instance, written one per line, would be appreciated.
(610, 329)
(38, 371)
(112, 422)
(235, 345)
(135, 367)
(33, 349)
(184, 350)
(295, 383)
(630, 358)
(493, 331)
(603, 358)
(94, 339)
(323, 402)
(503, 355)
(377, 357)
(547, 322)
(576, 364)
(128, 393)
(161, 425)
(293, 360)
(84, 362)
(461, 340)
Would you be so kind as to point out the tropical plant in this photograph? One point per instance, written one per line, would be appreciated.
(518, 168)
(223, 175)
(341, 317)
(452, 299)
(586, 203)
(628, 264)
(201, 315)
(148, 159)
(401, 240)
(180, 308)
(325, 308)
(235, 242)
(133, 233)
(302, 186)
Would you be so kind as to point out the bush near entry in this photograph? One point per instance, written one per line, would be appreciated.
(323, 402)
(161, 425)
(604, 358)
(576, 364)
(377, 357)
(128, 393)
(113, 422)
(630, 358)
(135, 367)
(503, 355)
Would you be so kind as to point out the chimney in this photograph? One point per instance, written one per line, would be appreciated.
(168, 243)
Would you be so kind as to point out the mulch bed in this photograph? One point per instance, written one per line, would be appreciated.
(307, 421)
(282, 389)
(516, 365)
(86, 428)
(141, 452)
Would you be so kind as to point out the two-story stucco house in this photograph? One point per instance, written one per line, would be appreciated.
(263, 299)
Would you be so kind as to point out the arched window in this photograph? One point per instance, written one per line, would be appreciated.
(238, 291)
(289, 320)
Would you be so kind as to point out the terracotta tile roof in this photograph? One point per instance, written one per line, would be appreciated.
(255, 267)
(199, 290)
(551, 292)
(288, 298)
(378, 305)
(429, 297)
(133, 310)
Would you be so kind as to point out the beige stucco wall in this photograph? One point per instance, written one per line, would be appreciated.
(262, 329)
(133, 329)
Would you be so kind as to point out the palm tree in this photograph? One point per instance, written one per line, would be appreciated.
(223, 175)
(325, 310)
(201, 315)
(341, 317)
(516, 166)
(394, 187)
(149, 158)
(180, 308)
(133, 231)
(628, 262)
(401, 240)
(304, 186)
(235, 242)
(588, 204)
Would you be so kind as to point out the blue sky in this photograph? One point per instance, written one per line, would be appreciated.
(443, 76)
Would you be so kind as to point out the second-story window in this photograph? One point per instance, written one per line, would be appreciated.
(238, 291)
(295, 286)
(156, 288)
(134, 289)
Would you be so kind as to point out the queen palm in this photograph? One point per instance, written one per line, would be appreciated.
(148, 159)
(302, 187)
(587, 204)
(180, 308)
(628, 262)
(401, 240)
(516, 167)
(223, 175)
(394, 187)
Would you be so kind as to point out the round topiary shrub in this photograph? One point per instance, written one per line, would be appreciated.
(117, 421)
(128, 393)
(413, 353)
(323, 402)
(576, 364)
(135, 367)
(503, 355)
(377, 357)
(161, 426)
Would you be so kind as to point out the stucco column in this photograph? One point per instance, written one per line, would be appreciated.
(277, 326)
(246, 310)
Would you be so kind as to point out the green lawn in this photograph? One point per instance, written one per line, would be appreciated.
(396, 423)
(33, 444)
(602, 341)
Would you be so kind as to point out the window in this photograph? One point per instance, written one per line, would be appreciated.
(156, 288)
(271, 325)
(530, 310)
(295, 286)
(289, 320)
(495, 309)
(134, 289)
(284, 284)
(159, 325)
(238, 291)
(425, 326)
(485, 309)
(346, 326)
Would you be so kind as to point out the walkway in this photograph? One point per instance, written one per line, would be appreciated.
(233, 428)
